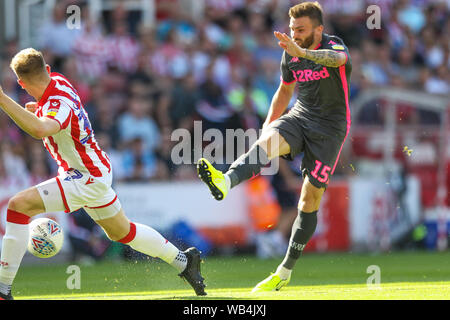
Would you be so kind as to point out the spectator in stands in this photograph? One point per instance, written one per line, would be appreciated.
(104, 119)
(123, 48)
(439, 81)
(404, 66)
(184, 98)
(115, 156)
(56, 36)
(139, 162)
(136, 123)
(137, 85)
(372, 67)
(91, 52)
(13, 159)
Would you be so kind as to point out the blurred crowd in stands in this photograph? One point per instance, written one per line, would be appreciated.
(220, 65)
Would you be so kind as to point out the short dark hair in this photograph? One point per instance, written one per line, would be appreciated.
(313, 10)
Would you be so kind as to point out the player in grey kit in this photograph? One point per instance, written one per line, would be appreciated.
(317, 125)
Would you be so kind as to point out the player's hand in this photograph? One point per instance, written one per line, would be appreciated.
(2, 94)
(288, 44)
(266, 124)
(31, 106)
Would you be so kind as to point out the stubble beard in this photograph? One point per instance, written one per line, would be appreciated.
(305, 44)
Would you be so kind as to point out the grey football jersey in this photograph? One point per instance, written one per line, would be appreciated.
(323, 92)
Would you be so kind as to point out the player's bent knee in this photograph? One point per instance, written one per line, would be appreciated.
(310, 200)
(273, 144)
(122, 233)
(14, 203)
(20, 203)
(116, 233)
(312, 197)
(307, 207)
(28, 202)
(116, 227)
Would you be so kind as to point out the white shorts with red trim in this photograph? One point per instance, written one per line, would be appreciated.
(74, 190)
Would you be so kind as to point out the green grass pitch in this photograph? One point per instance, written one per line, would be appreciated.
(405, 275)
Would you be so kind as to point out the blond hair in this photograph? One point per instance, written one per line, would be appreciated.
(313, 10)
(29, 64)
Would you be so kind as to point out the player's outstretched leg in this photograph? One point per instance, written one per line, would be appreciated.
(21, 207)
(147, 240)
(302, 230)
(247, 166)
(6, 296)
(14, 246)
(217, 182)
(271, 283)
(192, 273)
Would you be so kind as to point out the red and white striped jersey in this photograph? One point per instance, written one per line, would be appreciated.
(74, 146)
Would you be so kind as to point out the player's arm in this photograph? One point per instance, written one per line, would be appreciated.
(325, 57)
(36, 127)
(280, 101)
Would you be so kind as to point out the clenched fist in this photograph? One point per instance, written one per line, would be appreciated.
(31, 106)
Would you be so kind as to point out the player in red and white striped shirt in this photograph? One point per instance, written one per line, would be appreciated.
(84, 176)
(61, 103)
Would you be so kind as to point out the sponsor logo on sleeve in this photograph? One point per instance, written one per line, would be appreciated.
(338, 47)
(52, 112)
(53, 108)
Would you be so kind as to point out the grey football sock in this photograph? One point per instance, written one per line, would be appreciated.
(248, 165)
(302, 230)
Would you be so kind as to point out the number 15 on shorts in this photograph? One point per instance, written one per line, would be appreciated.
(323, 175)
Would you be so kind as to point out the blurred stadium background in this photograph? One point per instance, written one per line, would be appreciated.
(145, 68)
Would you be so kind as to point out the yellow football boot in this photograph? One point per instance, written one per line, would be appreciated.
(214, 179)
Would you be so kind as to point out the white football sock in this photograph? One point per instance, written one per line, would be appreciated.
(149, 241)
(227, 181)
(180, 261)
(14, 246)
(5, 289)
(283, 272)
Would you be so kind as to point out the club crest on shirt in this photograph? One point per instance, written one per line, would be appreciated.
(54, 103)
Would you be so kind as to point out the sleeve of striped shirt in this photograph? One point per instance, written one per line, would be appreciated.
(58, 110)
